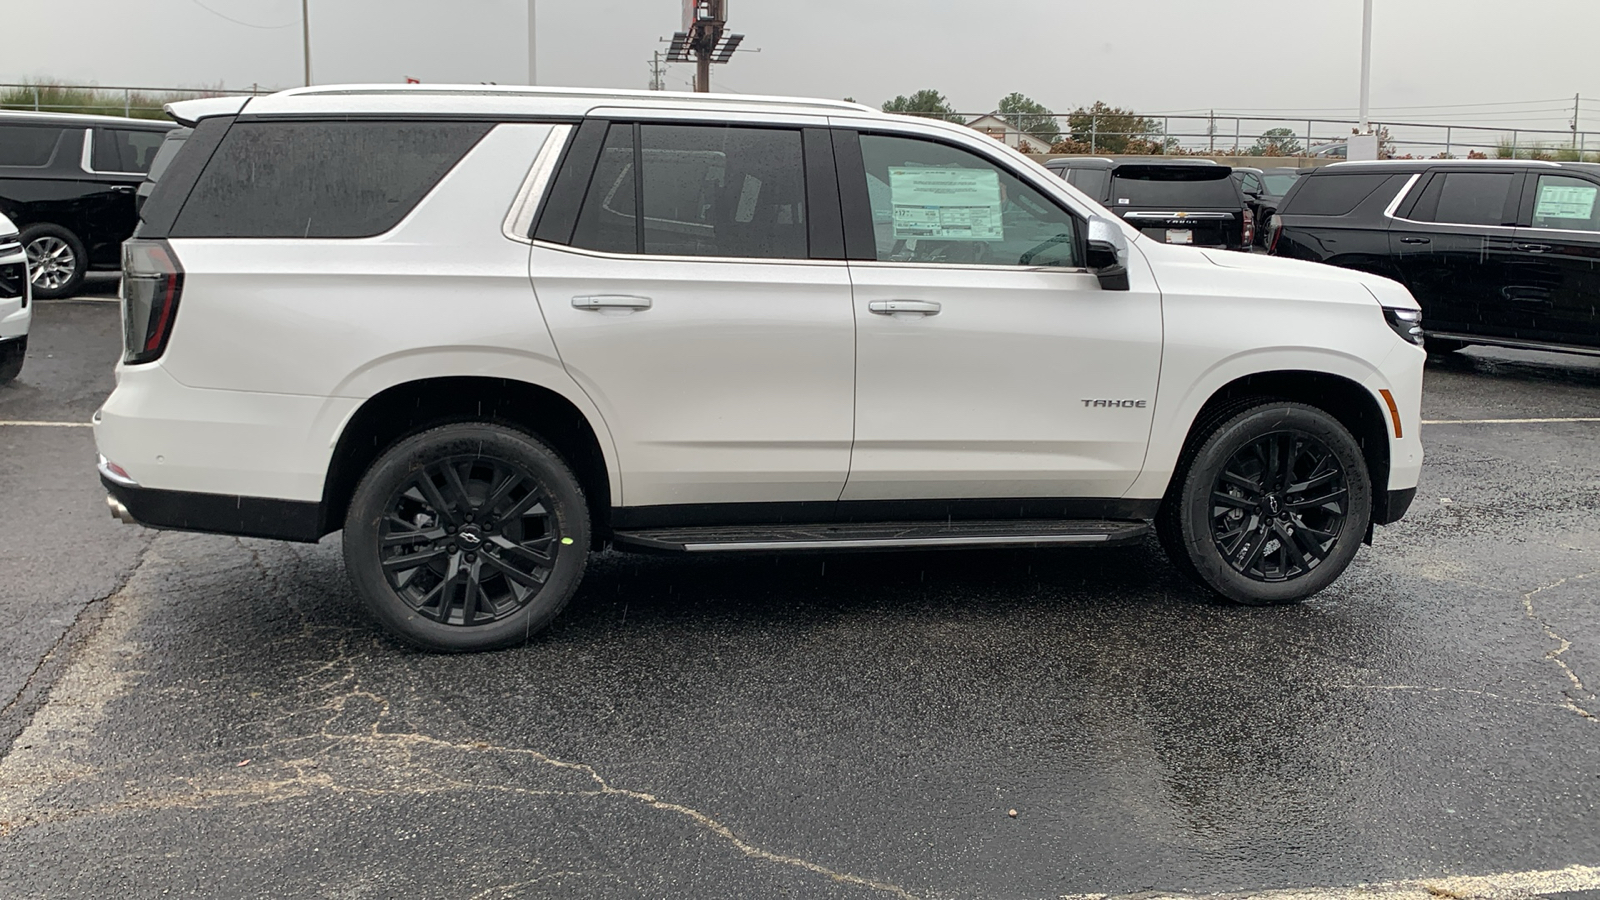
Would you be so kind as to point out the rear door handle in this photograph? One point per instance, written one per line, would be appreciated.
(1416, 240)
(912, 307)
(123, 188)
(1535, 248)
(610, 301)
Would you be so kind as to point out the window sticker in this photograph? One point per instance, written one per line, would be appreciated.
(946, 204)
(1564, 201)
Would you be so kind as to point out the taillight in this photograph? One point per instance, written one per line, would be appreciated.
(1249, 227)
(1273, 235)
(152, 282)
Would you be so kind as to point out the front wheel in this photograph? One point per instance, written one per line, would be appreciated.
(57, 261)
(1270, 507)
(467, 537)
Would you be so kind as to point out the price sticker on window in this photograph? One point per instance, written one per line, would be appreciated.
(946, 204)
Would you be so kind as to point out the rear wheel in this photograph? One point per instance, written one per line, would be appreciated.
(57, 261)
(1270, 507)
(467, 537)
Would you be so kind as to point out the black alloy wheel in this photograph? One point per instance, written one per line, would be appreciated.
(1270, 503)
(1278, 505)
(467, 537)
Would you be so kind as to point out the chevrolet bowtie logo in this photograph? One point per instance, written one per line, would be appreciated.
(1183, 215)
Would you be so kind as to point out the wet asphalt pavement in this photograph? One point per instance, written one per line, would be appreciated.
(200, 716)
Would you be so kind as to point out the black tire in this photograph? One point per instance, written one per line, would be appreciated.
(1263, 230)
(51, 282)
(408, 508)
(1296, 532)
(12, 355)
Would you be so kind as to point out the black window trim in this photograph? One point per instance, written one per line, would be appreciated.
(156, 217)
(556, 221)
(856, 203)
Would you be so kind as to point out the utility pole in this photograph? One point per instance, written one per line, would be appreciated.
(1574, 121)
(656, 83)
(1366, 64)
(533, 44)
(305, 27)
(1211, 133)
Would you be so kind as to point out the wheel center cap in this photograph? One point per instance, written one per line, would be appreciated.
(470, 538)
(1274, 504)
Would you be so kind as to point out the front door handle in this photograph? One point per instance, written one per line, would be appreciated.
(911, 307)
(1416, 240)
(123, 188)
(1535, 248)
(610, 301)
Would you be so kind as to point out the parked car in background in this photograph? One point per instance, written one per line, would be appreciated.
(68, 182)
(1263, 190)
(1333, 150)
(1496, 251)
(718, 324)
(1177, 201)
(15, 312)
(158, 166)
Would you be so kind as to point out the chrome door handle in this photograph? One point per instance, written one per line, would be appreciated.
(914, 307)
(123, 188)
(1415, 240)
(1534, 248)
(610, 301)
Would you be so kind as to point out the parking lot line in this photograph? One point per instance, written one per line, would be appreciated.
(24, 424)
(1509, 421)
(1571, 880)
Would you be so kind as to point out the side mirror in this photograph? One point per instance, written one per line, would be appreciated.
(1107, 255)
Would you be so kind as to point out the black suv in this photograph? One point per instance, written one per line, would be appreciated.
(1497, 252)
(69, 183)
(1179, 201)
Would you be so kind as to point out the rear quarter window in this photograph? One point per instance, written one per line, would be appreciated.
(1330, 194)
(321, 179)
(28, 146)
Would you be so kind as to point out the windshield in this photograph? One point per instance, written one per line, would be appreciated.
(1279, 183)
(1177, 186)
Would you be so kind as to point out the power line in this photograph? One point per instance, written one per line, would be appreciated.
(238, 22)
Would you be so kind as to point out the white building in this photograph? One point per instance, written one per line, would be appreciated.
(1001, 130)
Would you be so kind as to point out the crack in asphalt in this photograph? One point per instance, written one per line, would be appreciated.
(80, 621)
(345, 747)
(1563, 645)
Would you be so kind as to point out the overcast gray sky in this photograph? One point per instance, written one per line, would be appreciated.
(1154, 55)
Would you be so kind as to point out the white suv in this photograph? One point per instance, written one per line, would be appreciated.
(15, 314)
(487, 330)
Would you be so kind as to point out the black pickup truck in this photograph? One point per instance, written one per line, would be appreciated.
(1176, 201)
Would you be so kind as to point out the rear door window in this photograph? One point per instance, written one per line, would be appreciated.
(321, 179)
(705, 190)
(30, 146)
(1465, 198)
(124, 150)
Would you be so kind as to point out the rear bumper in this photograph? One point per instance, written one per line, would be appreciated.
(263, 517)
(1395, 509)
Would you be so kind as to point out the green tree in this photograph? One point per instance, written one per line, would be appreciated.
(929, 104)
(1275, 142)
(1029, 117)
(1111, 129)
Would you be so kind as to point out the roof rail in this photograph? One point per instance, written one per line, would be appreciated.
(1440, 162)
(495, 90)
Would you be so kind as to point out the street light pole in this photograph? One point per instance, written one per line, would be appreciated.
(305, 27)
(1366, 64)
(533, 44)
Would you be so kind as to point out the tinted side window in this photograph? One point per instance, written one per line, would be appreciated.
(1466, 198)
(707, 190)
(321, 179)
(1331, 195)
(1092, 181)
(124, 150)
(933, 203)
(1138, 185)
(28, 145)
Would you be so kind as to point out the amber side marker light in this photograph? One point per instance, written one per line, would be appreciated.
(1394, 411)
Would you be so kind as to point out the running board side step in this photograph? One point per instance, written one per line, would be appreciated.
(884, 535)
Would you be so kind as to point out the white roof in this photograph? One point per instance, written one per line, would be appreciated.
(492, 100)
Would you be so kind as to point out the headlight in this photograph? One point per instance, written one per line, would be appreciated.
(1406, 322)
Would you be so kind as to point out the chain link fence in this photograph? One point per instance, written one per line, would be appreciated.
(132, 102)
